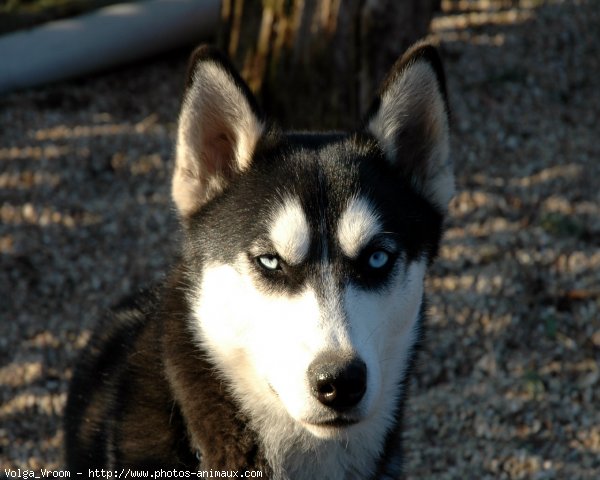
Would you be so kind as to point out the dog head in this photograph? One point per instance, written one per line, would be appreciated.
(305, 253)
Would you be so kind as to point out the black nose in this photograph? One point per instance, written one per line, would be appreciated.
(338, 381)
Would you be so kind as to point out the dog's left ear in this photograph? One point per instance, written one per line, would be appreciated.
(409, 119)
(219, 127)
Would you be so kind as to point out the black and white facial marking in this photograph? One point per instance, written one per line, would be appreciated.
(358, 225)
(307, 255)
(326, 266)
(289, 234)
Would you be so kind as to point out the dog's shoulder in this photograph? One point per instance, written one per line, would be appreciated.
(118, 392)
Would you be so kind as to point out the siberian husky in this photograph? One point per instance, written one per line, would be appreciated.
(283, 340)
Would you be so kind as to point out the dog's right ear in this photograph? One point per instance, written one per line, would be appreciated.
(219, 127)
(410, 121)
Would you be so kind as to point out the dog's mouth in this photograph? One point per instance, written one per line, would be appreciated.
(337, 422)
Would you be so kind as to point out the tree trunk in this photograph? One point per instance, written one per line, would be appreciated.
(318, 63)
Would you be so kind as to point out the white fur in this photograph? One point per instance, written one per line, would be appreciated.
(358, 224)
(383, 326)
(290, 232)
(263, 344)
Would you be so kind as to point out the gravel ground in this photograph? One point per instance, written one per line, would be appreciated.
(508, 384)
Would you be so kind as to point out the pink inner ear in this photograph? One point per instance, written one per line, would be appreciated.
(219, 148)
(218, 129)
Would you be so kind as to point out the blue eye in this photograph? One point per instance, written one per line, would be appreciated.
(269, 262)
(378, 259)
